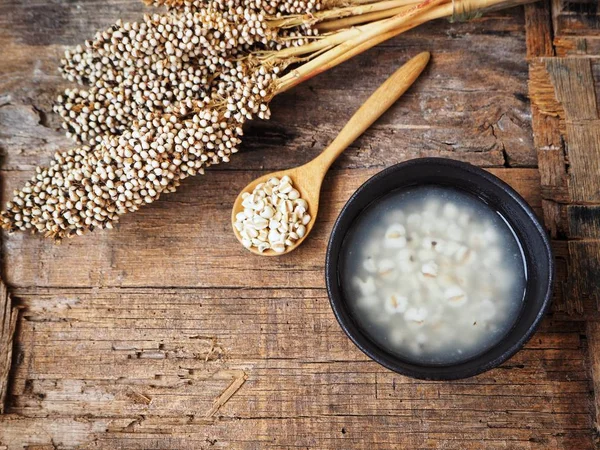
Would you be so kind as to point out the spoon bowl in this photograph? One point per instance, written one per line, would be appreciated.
(308, 178)
(309, 192)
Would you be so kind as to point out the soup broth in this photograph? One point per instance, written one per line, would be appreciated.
(433, 274)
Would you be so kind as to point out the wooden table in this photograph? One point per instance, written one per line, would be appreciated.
(165, 333)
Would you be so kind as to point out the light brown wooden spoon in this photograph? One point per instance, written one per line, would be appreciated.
(307, 179)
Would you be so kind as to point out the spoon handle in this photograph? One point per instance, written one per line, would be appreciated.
(374, 107)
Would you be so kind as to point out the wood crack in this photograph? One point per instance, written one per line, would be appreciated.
(8, 326)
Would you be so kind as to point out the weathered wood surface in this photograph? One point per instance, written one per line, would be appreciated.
(8, 326)
(566, 122)
(165, 333)
(142, 367)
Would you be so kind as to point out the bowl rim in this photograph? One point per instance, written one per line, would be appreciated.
(406, 367)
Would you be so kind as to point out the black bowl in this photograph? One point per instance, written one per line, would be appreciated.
(497, 194)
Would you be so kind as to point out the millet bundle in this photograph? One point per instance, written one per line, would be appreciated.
(166, 97)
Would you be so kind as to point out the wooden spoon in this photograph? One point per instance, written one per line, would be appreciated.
(307, 179)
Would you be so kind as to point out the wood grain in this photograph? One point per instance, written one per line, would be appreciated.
(577, 46)
(584, 160)
(180, 349)
(572, 79)
(581, 17)
(569, 92)
(593, 334)
(584, 271)
(8, 326)
(564, 92)
(539, 29)
(583, 221)
(165, 333)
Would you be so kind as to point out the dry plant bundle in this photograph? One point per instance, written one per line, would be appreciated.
(164, 98)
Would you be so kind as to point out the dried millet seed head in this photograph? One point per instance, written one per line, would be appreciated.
(166, 98)
(261, 11)
(150, 66)
(269, 7)
(90, 187)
